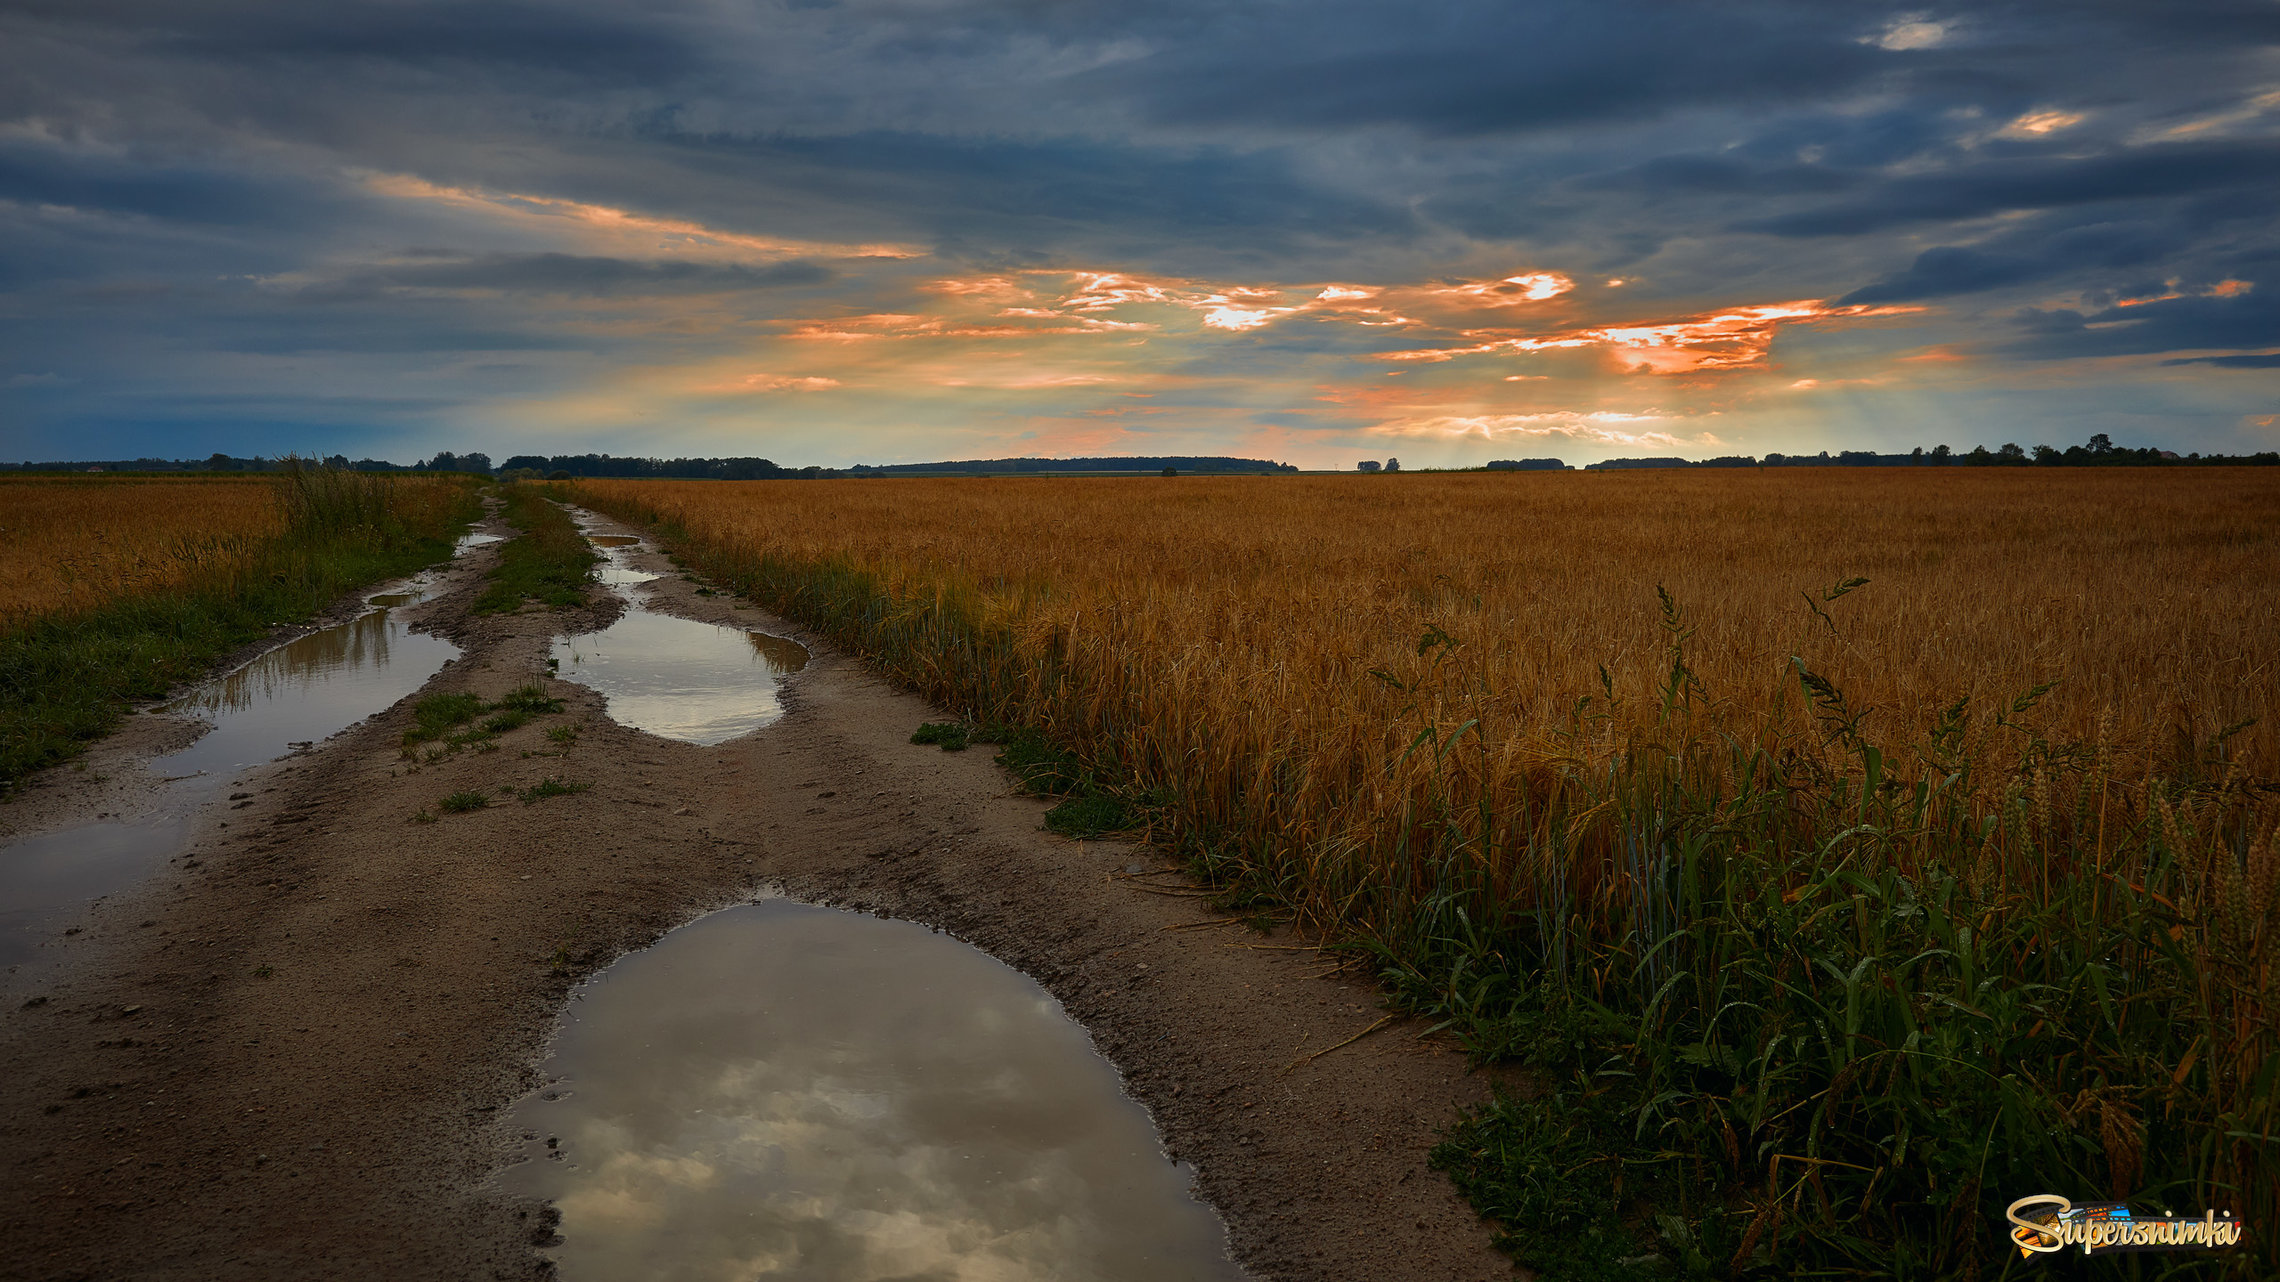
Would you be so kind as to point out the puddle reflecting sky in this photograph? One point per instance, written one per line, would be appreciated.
(304, 690)
(696, 682)
(784, 1091)
(616, 569)
(45, 879)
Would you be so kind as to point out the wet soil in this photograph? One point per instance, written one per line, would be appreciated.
(297, 1055)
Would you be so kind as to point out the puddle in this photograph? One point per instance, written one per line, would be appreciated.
(700, 683)
(780, 1090)
(475, 539)
(615, 575)
(301, 692)
(304, 691)
(46, 880)
(616, 571)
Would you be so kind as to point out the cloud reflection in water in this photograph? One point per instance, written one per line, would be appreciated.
(786, 1091)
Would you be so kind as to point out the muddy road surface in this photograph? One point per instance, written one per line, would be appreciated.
(294, 1050)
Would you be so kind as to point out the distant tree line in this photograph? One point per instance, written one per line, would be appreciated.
(444, 462)
(1205, 464)
(2099, 451)
(566, 466)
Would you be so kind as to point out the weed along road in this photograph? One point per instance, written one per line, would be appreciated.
(298, 1049)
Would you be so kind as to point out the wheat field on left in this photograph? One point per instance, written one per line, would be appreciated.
(69, 544)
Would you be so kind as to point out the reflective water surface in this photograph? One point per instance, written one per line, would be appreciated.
(305, 690)
(300, 692)
(616, 570)
(44, 880)
(697, 682)
(784, 1091)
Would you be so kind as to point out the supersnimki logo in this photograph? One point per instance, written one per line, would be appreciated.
(2046, 1222)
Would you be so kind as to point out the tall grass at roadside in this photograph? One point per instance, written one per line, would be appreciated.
(551, 562)
(67, 672)
(1828, 923)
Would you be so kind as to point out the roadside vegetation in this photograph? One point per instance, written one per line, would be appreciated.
(551, 562)
(1845, 854)
(446, 724)
(1088, 806)
(120, 589)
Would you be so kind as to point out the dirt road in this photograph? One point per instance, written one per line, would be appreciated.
(290, 1054)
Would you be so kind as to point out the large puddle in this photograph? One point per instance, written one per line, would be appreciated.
(785, 1091)
(700, 683)
(300, 692)
(305, 690)
(697, 682)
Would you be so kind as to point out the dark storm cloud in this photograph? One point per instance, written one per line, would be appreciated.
(2251, 360)
(2002, 185)
(1064, 195)
(2022, 257)
(579, 275)
(1497, 68)
(608, 44)
(117, 184)
(2156, 325)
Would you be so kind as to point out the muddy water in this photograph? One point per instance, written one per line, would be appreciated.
(779, 1090)
(305, 690)
(696, 682)
(616, 571)
(699, 683)
(300, 692)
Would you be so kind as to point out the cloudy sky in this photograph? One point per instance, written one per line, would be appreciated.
(839, 231)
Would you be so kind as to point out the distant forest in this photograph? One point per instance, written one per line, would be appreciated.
(565, 466)
(2099, 451)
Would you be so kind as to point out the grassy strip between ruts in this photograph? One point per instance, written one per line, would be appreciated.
(66, 678)
(1826, 1014)
(551, 563)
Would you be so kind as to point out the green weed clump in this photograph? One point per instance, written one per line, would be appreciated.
(67, 677)
(1088, 809)
(460, 803)
(1091, 816)
(437, 714)
(550, 787)
(550, 562)
(531, 699)
(450, 719)
(953, 736)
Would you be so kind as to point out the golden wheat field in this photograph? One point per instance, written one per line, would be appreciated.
(71, 543)
(1247, 613)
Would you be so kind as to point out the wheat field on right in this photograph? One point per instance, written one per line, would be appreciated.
(1843, 853)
